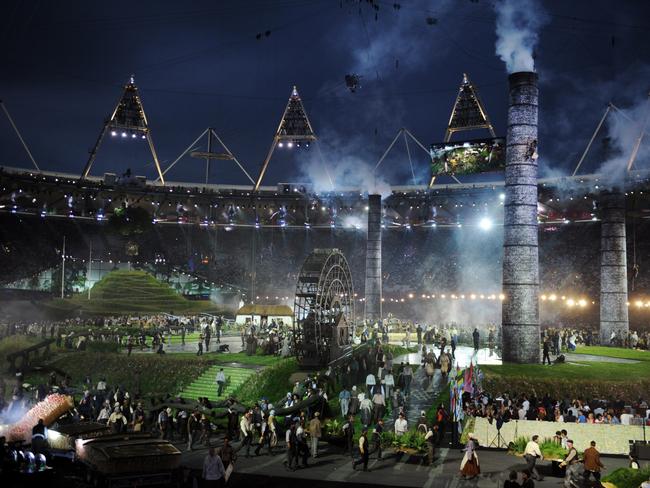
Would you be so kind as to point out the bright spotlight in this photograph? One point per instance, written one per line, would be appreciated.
(502, 196)
(485, 223)
(280, 144)
(113, 133)
(289, 144)
(124, 134)
(133, 136)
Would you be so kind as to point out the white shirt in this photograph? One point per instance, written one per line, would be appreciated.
(532, 449)
(625, 418)
(221, 377)
(401, 426)
(526, 405)
(388, 380)
(213, 468)
(370, 379)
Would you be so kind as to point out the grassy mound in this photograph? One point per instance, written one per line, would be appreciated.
(122, 292)
(272, 382)
(149, 373)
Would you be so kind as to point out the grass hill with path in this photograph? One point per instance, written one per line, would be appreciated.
(122, 291)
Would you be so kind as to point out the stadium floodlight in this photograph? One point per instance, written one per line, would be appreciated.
(485, 223)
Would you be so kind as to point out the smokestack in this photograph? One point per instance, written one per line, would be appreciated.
(613, 269)
(520, 308)
(373, 260)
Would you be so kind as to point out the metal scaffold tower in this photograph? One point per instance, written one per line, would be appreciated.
(641, 126)
(294, 130)
(468, 112)
(128, 120)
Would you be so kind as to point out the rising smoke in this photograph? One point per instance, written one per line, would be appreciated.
(624, 129)
(340, 164)
(517, 26)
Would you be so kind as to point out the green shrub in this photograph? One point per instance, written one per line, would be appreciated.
(628, 478)
(333, 427)
(550, 449)
(518, 446)
(410, 440)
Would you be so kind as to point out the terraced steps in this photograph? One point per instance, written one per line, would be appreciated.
(206, 384)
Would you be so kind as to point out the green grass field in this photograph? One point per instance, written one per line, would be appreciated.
(615, 352)
(122, 292)
(584, 379)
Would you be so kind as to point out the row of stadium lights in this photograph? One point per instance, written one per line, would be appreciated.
(125, 135)
(347, 208)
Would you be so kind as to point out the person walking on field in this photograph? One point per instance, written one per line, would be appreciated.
(476, 336)
(593, 465)
(571, 462)
(221, 381)
(213, 471)
(348, 431)
(531, 454)
(546, 349)
(363, 449)
(469, 467)
(291, 462)
(315, 433)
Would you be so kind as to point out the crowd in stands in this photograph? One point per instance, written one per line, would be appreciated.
(513, 406)
(439, 260)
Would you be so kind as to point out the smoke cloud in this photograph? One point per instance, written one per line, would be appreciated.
(343, 163)
(517, 26)
(623, 130)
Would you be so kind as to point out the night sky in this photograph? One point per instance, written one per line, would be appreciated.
(200, 64)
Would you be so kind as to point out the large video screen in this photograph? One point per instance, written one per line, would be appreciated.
(468, 157)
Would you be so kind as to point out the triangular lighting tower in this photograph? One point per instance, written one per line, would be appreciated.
(294, 130)
(468, 112)
(128, 121)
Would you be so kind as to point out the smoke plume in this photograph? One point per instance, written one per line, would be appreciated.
(518, 23)
(624, 130)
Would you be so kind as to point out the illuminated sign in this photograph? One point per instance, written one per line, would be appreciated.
(468, 157)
